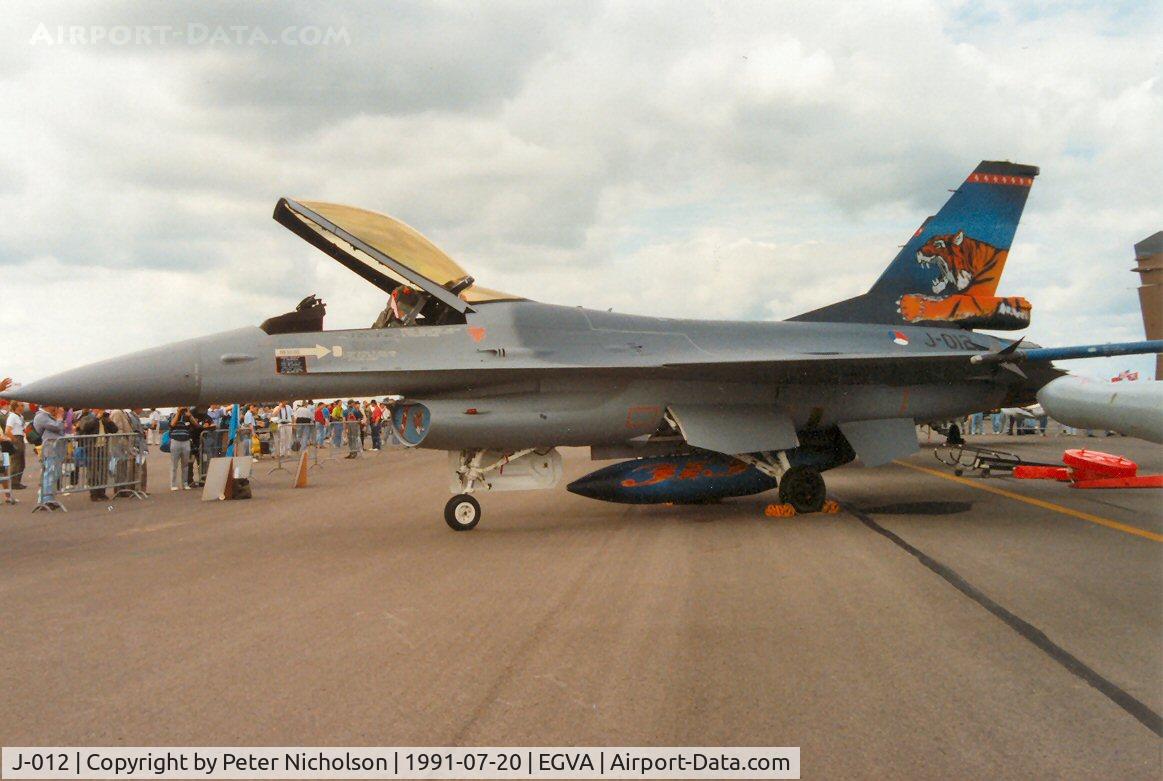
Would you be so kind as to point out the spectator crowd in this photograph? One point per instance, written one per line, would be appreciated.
(192, 436)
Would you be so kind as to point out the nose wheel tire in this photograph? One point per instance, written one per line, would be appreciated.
(462, 513)
(803, 488)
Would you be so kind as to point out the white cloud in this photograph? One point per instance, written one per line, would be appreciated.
(732, 160)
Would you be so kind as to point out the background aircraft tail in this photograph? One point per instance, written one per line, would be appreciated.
(947, 273)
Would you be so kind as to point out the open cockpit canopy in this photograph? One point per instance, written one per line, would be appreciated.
(423, 283)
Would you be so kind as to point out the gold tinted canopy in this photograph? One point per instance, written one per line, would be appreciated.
(400, 242)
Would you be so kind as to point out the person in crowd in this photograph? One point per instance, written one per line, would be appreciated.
(998, 420)
(320, 416)
(49, 423)
(155, 427)
(376, 418)
(335, 421)
(210, 437)
(353, 419)
(246, 431)
(303, 415)
(366, 407)
(97, 424)
(124, 450)
(272, 418)
(14, 433)
(6, 451)
(977, 423)
(183, 428)
(285, 415)
(223, 445)
(195, 468)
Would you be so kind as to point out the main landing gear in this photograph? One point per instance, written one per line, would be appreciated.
(800, 486)
(803, 488)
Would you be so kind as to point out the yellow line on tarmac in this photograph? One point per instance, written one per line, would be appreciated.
(1096, 519)
(154, 528)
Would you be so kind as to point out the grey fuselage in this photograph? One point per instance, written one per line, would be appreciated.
(523, 374)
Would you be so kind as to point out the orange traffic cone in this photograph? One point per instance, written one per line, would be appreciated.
(301, 475)
(228, 488)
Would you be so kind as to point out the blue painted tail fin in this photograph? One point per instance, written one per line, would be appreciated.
(947, 274)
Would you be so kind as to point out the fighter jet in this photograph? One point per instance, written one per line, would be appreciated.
(700, 410)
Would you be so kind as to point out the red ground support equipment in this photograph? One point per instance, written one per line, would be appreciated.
(1092, 469)
(1139, 481)
(1030, 472)
(1093, 465)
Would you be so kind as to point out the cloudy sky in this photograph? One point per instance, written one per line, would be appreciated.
(721, 160)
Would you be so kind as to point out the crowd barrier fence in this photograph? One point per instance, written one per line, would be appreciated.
(288, 441)
(212, 443)
(340, 438)
(8, 477)
(92, 462)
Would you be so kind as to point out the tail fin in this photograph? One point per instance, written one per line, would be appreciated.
(947, 273)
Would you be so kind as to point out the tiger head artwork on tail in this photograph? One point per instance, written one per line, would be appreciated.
(965, 264)
(947, 274)
(967, 273)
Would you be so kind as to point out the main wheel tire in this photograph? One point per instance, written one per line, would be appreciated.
(803, 488)
(462, 513)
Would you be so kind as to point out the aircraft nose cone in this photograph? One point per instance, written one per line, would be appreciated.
(163, 376)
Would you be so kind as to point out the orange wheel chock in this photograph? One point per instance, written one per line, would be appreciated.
(779, 511)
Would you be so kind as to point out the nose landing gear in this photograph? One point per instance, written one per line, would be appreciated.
(462, 513)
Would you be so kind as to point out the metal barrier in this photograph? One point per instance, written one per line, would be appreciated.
(6, 477)
(212, 443)
(334, 437)
(339, 438)
(330, 437)
(215, 443)
(290, 440)
(92, 462)
(280, 440)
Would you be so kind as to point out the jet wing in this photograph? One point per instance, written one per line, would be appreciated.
(849, 369)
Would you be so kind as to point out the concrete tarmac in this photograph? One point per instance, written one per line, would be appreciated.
(926, 631)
